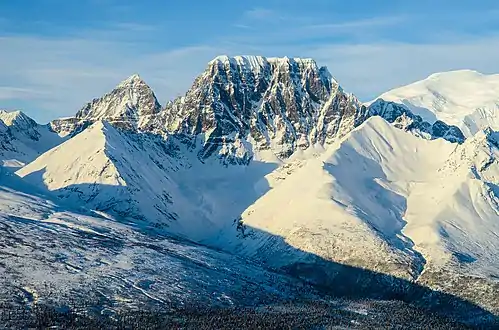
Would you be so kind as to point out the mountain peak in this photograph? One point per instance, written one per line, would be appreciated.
(17, 118)
(283, 104)
(124, 105)
(133, 79)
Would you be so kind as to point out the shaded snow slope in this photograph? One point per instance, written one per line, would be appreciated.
(464, 98)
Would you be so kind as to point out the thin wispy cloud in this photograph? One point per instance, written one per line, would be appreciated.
(133, 27)
(260, 14)
(368, 23)
(243, 26)
(10, 92)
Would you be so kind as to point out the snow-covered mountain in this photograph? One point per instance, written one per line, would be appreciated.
(388, 201)
(119, 172)
(22, 139)
(465, 98)
(125, 106)
(270, 160)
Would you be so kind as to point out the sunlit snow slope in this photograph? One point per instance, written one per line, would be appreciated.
(389, 201)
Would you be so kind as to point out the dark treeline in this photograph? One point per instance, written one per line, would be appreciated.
(310, 315)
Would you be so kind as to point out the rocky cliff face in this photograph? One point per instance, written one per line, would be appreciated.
(404, 119)
(276, 104)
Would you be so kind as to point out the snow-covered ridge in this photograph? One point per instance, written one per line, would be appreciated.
(403, 118)
(17, 118)
(123, 173)
(465, 98)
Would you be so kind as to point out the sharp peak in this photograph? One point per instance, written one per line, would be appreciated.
(9, 117)
(133, 79)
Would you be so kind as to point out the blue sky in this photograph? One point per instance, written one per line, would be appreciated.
(56, 55)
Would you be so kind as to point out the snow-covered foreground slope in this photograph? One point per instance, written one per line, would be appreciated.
(58, 255)
(22, 139)
(388, 201)
(54, 252)
(465, 98)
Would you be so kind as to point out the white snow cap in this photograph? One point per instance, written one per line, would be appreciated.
(465, 98)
